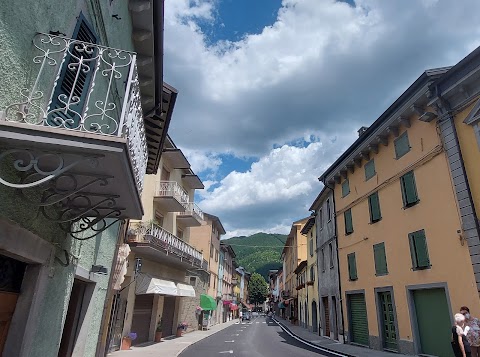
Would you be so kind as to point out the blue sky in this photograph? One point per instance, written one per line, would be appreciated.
(271, 92)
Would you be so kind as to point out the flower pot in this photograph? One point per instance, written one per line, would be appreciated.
(126, 343)
(179, 332)
(158, 336)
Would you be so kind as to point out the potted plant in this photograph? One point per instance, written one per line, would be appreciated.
(127, 340)
(158, 331)
(181, 328)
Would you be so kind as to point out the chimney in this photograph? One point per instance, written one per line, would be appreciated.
(362, 130)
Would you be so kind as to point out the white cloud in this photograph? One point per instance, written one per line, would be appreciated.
(323, 67)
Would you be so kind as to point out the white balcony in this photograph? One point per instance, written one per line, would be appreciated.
(157, 243)
(76, 132)
(191, 217)
(170, 196)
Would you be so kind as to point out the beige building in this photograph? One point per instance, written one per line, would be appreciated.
(166, 274)
(225, 275)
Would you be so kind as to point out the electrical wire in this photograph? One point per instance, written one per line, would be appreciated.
(266, 246)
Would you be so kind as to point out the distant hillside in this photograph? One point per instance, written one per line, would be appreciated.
(259, 252)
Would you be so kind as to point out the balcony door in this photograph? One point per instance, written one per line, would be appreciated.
(165, 175)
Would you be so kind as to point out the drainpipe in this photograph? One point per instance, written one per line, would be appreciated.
(338, 265)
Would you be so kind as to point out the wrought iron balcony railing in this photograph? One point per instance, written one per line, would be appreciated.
(172, 189)
(192, 209)
(83, 87)
(166, 241)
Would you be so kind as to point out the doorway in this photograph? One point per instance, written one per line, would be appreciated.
(142, 316)
(334, 318)
(168, 315)
(74, 318)
(326, 312)
(314, 317)
(11, 278)
(387, 318)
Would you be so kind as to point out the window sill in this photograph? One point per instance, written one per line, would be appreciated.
(331, 267)
(411, 204)
(381, 274)
(375, 221)
(353, 279)
(347, 234)
(422, 268)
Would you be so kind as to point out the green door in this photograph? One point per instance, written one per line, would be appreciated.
(358, 319)
(433, 322)
(388, 321)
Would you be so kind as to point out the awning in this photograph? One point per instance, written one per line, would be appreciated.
(207, 302)
(233, 306)
(148, 285)
(185, 290)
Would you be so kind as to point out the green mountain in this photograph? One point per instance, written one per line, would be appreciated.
(259, 252)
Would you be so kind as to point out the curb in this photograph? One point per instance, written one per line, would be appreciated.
(310, 344)
(213, 333)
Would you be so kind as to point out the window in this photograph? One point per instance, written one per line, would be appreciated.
(352, 267)
(380, 259)
(312, 273)
(179, 233)
(214, 282)
(211, 250)
(159, 218)
(216, 255)
(193, 280)
(347, 215)
(419, 250)
(345, 188)
(374, 206)
(329, 211)
(330, 246)
(323, 259)
(165, 174)
(409, 190)
(402, 146)
(320, 218)
(72, 81)
(369, 170)
(310, 243)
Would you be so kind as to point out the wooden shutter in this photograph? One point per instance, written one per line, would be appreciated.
(374, 205)
(345, 188)
(402, 146)
(83, 32)
(369, 169)
(409, 189)
(419, 250)
(348, 221)
(358, 319)
(352, 266)
(380, 259)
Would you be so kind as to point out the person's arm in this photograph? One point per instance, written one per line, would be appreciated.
(460, 343)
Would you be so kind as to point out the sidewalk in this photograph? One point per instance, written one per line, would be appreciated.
(332, 345)
(171, 346)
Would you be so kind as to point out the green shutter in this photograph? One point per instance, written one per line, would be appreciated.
(380, 259)
(358, 319)
(348, 221)
(345, 188)
(352, 266)
(369, 169)
(402, 146)
(419, 250)
(409, 189)
(374, 206)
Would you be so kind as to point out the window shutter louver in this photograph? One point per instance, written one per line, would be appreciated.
(369, 170)
(380, 259)
(409, 190)
(374, 205)
(402, 146)
(352, 266)
(348, 221)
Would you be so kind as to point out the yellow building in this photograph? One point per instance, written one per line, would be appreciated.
(404, 270)
(294, 252)
(301, 288)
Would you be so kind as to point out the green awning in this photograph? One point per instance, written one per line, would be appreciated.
(207, 302)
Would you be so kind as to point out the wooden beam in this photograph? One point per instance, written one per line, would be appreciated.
(351, 167)
(365, 155)
(344, 172)
(337, 179)
(393, 129)
(382, 139)
(404, 121)
(358, 162)
(373, 147)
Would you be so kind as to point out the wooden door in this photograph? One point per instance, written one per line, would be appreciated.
(326, 311)
(142, 316)
(388, 321)
(168, 315)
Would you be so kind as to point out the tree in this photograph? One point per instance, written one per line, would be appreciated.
(257, 289)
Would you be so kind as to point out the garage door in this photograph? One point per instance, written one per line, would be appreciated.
(142, 315)
(358, 319)
(433, 322)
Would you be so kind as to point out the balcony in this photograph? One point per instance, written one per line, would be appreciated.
(75, 133)
(170, 196)
(192, 217)
(158, 244)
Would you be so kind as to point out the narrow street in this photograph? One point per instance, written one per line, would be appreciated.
(261, 337)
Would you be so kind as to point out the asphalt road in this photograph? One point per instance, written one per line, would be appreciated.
(262, 337)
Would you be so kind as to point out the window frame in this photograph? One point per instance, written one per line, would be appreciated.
(310, 246)
(320, 218)
(370, 198)
(329, 210)
(323, 260)
(347, 182)
(332, 262)
(380, 248)
(367, 167)
(403, 188)
(403, 136)
(345, 214)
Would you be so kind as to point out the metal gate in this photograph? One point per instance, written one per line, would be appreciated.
(388, 321)
(168, 315)
(117, 319)
(142, 315)
(326, 312)
(358, 319)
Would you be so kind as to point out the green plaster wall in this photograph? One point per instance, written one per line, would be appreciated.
(18, 25)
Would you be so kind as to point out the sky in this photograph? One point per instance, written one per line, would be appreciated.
(271, 92)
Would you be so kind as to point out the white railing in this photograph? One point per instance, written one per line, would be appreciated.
(163, 239)
(171, 189)
(193, 210)
(95, 89)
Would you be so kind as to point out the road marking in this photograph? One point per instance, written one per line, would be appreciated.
(230, 341)
(236, 334)
(257, 322)
(263, 322)
(231, 351)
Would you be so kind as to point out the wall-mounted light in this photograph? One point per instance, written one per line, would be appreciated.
(99, 269)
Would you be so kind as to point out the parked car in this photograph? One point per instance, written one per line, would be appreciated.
(246, 315)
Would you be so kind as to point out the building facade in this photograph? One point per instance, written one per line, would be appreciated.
(228, 266)
(331, 323)
(63, 213)
(396, 248)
